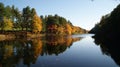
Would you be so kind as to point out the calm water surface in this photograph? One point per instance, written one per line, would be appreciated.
(54, 51)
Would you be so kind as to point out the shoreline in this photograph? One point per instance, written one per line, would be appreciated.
(27, 35)
(7, 37)
(12, 36)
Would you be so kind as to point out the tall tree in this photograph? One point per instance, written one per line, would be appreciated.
(43, 23)
(36, 24)
(26, 17)
(17, 19)
(2, 10)
(8, 12)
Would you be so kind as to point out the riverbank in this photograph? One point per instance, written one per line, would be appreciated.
(12, 36)
(7, 37)
(25, 35)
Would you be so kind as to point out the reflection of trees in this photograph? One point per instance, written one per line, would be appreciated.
(27, 51)
(110, 47)
(12, 52)
(37, 47)
(58, 44)
(8, 51)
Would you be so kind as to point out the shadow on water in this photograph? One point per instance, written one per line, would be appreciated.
(109, 46)
(12, 52)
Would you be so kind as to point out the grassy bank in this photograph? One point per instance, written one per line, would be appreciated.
(7, 37)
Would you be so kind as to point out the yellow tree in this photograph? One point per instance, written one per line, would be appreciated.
(7, 24)
(36, 24)
(60, 30)
(73, 29)
(68, 29)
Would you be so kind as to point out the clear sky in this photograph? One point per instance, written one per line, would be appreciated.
(83, 13)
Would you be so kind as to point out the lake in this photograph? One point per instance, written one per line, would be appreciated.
(55, 51)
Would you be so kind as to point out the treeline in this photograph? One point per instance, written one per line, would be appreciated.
(12, 19)
(59, 25)
(109, 24)
(107, 34)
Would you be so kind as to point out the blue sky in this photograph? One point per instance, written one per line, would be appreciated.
(83, 13)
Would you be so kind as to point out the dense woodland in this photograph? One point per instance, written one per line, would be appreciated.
(107, 34)
(12, 19)
(109, 25)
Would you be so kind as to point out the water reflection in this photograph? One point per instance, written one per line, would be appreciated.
(109, 46)
(13, 52)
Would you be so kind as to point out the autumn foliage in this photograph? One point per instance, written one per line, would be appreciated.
(59, 25)
(36, 24)
(7, 24)
(27, 20)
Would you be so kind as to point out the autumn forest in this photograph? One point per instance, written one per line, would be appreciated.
(59, 33)
(27, 20)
